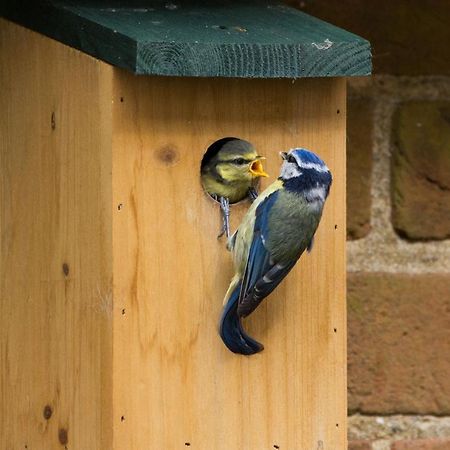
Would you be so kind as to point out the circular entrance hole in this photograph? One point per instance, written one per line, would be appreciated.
(230, 168)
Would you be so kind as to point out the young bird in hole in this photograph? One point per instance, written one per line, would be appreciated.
(230, 171)
(277, 229)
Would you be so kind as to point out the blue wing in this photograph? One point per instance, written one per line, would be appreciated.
(262, 274)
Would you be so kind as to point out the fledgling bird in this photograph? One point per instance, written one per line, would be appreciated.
(278, 227)
(230, 170)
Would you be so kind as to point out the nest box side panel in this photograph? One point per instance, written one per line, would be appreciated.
(55, 264)
(175, 384)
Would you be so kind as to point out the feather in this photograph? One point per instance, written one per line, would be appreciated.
(310, 245)
(231, 331)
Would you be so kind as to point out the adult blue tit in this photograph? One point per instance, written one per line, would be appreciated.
(278, 227)
(230, 171)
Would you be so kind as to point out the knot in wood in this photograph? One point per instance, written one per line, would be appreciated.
(168, 155)
(63, 436)
(47, 413)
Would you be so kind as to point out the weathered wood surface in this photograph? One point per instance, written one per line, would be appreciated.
(181, 38)
(175, 383)
(55, 261)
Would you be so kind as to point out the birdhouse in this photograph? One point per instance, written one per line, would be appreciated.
(112, 276)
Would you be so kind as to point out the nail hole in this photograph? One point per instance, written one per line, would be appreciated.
(337, 425)
(53, 121)
(335, 227)
(335, 330)
(123, 312)
(276, 446)
(121, 99)
(122, 418)
(65, 269)
(338, 111)
(244, 156)
(120, 206)
(187, 444)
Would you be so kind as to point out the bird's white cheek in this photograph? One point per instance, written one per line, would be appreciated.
(289, 170)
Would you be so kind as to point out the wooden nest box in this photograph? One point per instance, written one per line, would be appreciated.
(111, 275)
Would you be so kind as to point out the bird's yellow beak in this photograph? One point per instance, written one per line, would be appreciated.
(256, 168)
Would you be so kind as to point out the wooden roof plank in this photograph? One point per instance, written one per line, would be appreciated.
(248, 39)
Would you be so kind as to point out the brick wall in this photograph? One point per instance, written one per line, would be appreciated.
(398, 224)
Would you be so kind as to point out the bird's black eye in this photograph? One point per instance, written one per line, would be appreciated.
(239, 161)
(291, 159)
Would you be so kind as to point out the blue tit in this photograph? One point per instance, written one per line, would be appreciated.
(230, 171)
(278, 227)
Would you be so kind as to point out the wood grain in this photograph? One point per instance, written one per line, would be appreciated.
(56, 246)
(111, 277)
(175, 383)
(248, 39)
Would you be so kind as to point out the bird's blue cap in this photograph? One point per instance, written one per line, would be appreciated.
(307, 157)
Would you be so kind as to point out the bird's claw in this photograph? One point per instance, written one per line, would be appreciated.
(222, 231)
(252, 193)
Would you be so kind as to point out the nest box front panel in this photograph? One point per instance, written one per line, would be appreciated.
(175, 384)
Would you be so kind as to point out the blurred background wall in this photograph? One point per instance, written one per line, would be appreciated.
(398, 223)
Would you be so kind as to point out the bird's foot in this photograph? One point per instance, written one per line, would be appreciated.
(225, 208)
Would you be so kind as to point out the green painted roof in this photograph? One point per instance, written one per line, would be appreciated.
(212, 39)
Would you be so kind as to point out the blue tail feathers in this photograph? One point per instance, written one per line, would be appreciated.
(231, 331)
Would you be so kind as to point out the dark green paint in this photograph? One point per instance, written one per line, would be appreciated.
(246, 39)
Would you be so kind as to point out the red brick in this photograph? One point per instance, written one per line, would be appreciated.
(398, 343)
(407, 36)
(359, 166)
(422, 444)
(421, 170)
(359, 445)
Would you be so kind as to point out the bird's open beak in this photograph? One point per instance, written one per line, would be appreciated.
(257, 169)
